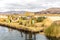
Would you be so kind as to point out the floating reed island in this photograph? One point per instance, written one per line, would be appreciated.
(26, 23)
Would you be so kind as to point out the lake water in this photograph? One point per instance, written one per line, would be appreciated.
(16, 35)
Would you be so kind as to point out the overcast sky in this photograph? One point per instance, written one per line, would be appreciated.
(27, 5)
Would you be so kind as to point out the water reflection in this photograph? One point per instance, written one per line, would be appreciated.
(6, 34)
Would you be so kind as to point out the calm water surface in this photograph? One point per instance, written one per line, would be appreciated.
(16, 35)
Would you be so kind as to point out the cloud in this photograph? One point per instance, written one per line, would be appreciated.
(27, 5)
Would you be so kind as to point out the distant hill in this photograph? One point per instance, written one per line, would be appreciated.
(50, 11)
(13, 12)
(18, 12)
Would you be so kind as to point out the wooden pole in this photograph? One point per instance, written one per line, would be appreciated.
(30, 36)
(34, 36)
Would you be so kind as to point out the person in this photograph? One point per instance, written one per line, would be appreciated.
(32, 22)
